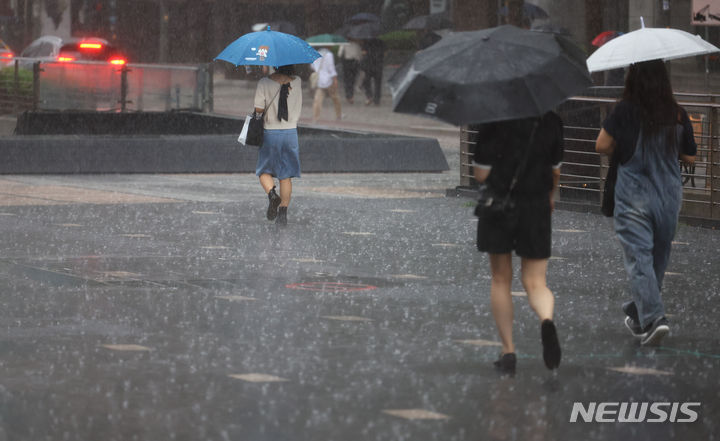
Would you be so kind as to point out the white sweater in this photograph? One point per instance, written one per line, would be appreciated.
(268, 89)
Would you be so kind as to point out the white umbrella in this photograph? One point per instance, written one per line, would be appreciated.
(647, 44)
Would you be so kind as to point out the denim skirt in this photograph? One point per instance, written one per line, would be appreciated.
(279, 155)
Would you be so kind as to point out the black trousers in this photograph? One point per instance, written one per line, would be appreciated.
(350, 71)
(372, 84)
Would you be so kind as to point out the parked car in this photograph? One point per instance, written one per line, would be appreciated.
(6, 55)
(50, 48)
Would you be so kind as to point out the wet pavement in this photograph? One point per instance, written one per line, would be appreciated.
(166, 307)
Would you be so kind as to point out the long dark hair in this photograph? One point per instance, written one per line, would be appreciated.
(647, 87)
(288, 70)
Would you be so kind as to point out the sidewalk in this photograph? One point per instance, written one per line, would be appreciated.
(235, 97)
(154, 307)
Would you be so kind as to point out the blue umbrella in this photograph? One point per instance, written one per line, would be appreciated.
(268, 48)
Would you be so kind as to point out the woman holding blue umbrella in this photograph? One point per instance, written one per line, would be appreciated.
(278, 98)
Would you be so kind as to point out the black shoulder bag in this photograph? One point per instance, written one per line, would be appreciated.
(256, 128)
(492, 204)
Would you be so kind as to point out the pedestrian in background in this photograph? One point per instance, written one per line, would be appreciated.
(280, 97)
(350, 54)
(327, 83)
(526, 228)
(372, 65)
(650, 132)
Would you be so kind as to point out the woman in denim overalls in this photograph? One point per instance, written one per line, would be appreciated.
(650, 132)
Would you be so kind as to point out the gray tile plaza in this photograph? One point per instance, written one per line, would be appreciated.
(165, 307)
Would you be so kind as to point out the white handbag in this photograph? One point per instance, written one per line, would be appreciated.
(243, 133)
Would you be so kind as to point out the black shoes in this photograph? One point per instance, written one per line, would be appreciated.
(658, 329)
(281, 217)
(506, 363)
(632, 321)
(274, 202)
(634, 327)
(652, 334)
(275, 211)
(551, 345)
(551, 350)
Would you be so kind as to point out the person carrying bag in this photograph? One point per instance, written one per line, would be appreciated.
(279, 154)
(253, 130)
(517, 163)
(491, 203)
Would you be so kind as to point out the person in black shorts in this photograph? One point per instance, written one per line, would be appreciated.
(527, 228)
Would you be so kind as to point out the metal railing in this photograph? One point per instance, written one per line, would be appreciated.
(99, 86)
(583, 171)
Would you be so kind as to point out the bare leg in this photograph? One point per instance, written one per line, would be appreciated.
(500, 298)
(333, 90)
(542, 302)
(540, 297)
(318, 102)
(285, 191)
(267, 182)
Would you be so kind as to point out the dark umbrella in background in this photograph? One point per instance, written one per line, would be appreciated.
(363, 17)
(548, 27)
(284, 26)
(430, 22)
(363, 31)
(530, 11)
(490, 75)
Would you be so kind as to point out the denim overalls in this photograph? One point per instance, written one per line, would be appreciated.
(648, 194)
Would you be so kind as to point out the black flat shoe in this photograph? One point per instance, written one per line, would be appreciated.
(506, 363)
(273, 204)
(551, 345)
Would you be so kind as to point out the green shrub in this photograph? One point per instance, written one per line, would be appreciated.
(24, 85)
(400, 40)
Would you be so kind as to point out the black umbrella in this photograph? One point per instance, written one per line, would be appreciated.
(490, 75)
(430, 22)
(283, 26)
(364, 31)
(529, 11)
(552, 28)
(363, 17)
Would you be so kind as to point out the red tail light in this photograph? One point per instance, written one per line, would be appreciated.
(117, 61)
(65, 58)
(91, 46)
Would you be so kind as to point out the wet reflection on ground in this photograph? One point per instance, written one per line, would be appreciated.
(192, 319)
